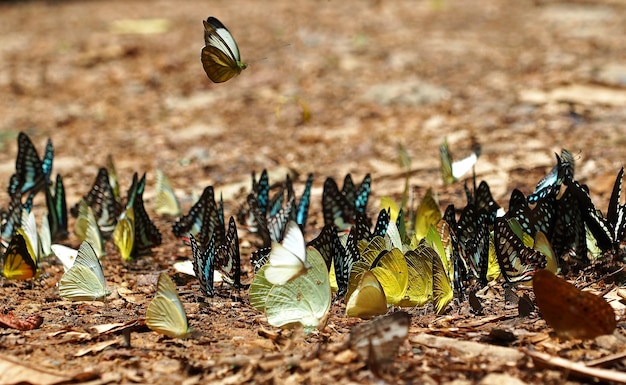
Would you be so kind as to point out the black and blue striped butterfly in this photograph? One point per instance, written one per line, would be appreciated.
(334, 253)
(57, 211)
(341, 207)
(517, 261)
(31, 173)
(301, 212)
(482, 199)
(228, 259)
(101, 199)
(473, 236)
(204, 263)
(540, 218)
(608, 232)
(147, 235)
(569, 236)
(204, 218)
(551, 183)
(11, 219)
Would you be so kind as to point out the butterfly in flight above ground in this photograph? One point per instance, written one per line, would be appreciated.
(220, 55)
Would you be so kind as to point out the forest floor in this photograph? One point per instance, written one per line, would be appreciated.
(332, 88)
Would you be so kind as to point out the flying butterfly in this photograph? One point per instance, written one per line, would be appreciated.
(84, 281)
(31, 173)
(377, 341)
(165, 313)
(220, 55)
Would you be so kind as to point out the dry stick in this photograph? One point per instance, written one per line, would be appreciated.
(575, 367)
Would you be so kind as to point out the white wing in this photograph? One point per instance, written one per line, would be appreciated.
(66, 255)
(287, 261)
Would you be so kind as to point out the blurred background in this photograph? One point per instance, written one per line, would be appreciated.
(332, 87)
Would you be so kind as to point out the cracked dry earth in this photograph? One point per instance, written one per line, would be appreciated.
(332, 88)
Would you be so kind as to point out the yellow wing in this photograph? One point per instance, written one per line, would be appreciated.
(20, 261)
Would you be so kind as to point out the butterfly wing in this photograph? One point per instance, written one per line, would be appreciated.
(86, 228)
(305, 300)
(287, 260)
(29, 170)
(228, 259)
(220, 55)
(165, 201)
(368, 300)
(165, 313)
(204, 264)
(19, 262)
(84, 281)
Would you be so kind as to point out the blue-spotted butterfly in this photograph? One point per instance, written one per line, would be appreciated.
(204, 219)
(341, 207)
(517, 261)
(147, 235)
(101, 199)
(551, 183)
(57, 211)
(31, 173)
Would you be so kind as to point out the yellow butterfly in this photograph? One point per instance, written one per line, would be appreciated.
(166, 314)
(124, 234)
(20, 260)
(86, 228)
(427, 214)
(220, 55)
(165, 201)
(368, 299)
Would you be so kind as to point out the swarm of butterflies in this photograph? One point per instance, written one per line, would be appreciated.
(408, 258)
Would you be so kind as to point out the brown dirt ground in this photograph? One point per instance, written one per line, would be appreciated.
(523, 78)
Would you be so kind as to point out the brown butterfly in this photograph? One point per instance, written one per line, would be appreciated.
(377, 341)
(572, 313)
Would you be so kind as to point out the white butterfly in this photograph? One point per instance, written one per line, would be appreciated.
(29, 225)
(186, 267)
(166, 314)
(66, 255)
(45, 238)
(84, 281)
(287, 261)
